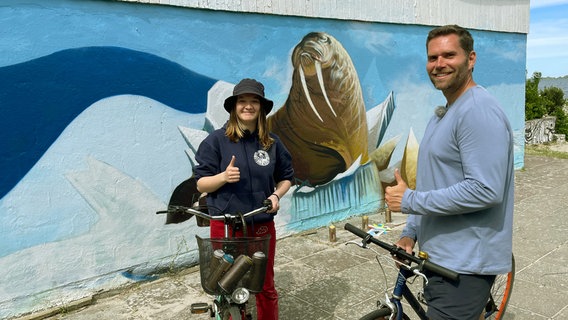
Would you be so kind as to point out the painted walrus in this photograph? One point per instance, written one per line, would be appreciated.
(323, 122)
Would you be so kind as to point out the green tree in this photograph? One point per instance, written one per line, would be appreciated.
(553, 99)
(534, 109)
(549, 101)
(553, 96)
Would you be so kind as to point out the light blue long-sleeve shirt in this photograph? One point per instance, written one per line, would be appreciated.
(461, 212)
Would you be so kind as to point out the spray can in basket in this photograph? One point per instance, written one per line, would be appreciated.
(231, 278)
(258, 271)
(216, 259)
(224, 264)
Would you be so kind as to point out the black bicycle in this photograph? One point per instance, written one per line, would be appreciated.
(413, 266)
(231, 268)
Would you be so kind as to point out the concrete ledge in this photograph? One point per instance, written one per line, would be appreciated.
(75, 305)
(91, 300)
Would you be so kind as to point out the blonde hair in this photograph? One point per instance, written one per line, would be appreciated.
(236, 131)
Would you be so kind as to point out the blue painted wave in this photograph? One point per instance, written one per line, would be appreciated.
(40, 97)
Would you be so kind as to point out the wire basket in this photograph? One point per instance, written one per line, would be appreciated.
(209, 268)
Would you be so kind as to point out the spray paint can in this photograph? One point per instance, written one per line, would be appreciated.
(216, 259)
(257, 272)
(232, 277)
(224, 264)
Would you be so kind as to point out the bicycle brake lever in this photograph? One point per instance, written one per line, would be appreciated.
(358, 243)
(421, 275)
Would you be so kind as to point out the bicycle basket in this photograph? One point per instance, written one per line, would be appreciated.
(235, 247)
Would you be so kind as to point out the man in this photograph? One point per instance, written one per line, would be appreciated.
(461, 212)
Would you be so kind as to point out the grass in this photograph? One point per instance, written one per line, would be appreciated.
(545, 151)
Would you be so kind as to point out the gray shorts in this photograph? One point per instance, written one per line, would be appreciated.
(458, 300)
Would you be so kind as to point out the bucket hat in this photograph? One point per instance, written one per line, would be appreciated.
(249, 86)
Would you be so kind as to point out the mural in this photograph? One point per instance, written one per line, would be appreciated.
(539, 131)
(324, 138)
(101, 120)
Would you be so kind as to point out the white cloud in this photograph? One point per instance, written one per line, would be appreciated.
(548, 38)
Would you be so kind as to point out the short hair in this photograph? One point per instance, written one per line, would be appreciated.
(466, 40)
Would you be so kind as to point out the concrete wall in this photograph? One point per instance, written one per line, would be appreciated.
(104, 102)
(506, 16)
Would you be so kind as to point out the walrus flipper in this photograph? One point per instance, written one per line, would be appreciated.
(185, 195)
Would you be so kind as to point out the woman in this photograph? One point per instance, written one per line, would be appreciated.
(239, 166)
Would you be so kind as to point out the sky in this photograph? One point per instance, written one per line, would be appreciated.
(547, 41)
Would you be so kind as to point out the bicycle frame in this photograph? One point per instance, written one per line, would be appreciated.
(401, 290)
(393, 306)
(225, 304)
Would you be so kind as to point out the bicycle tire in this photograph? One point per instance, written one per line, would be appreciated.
(500, 294)
(381, 314)
(227, 314)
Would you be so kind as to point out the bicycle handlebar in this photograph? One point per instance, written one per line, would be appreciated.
(402, 254)
(266, 205)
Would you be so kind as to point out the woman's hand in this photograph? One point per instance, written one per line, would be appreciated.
(232, 174)
(281, 188)
(275, 203)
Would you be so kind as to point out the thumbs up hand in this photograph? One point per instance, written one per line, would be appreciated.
(399, 180)
(394, 194)
(232, 173)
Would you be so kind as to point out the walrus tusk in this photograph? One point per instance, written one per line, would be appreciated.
(320, 80)
(305, 86)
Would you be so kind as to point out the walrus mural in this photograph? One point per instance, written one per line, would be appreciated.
(323, 122)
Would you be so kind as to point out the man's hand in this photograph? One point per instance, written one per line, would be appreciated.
(394, 194)
(406, 243)
(232, 173)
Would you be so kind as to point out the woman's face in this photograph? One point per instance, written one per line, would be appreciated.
(248, 109)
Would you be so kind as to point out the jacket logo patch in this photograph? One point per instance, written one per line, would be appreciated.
(261, 158)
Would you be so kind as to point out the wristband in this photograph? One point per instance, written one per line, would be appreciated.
(274, 194)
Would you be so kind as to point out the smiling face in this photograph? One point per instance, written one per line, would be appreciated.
(248, 110)
(449, 66)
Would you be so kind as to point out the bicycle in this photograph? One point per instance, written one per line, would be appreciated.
(230, 268)
(413, 266)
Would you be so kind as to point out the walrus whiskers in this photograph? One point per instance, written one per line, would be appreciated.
(307, 93)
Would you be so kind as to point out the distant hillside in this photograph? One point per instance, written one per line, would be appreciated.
(561, 83)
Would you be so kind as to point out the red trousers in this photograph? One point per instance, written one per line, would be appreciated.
(267, 300)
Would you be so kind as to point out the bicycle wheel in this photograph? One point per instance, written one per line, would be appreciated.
(222, 310)
(229, 313)
(381, 314)
(500, 294)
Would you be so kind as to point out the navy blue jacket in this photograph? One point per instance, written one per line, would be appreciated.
(260, 171)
